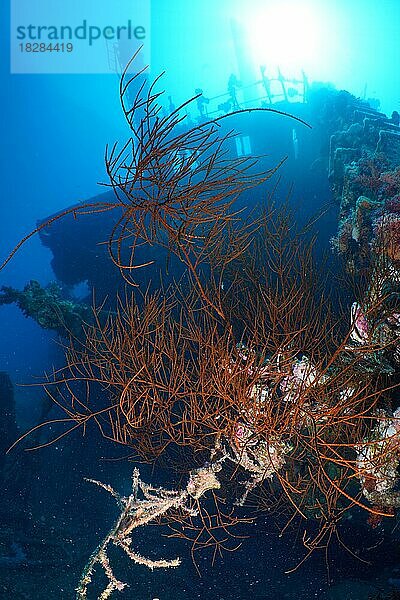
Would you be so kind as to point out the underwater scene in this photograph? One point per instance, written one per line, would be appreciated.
(200, 300)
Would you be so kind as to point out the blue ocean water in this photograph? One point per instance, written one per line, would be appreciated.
(55, 129)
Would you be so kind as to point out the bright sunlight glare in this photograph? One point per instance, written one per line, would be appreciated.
(289, 35)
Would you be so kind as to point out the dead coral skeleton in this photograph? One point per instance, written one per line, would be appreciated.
(145, 504)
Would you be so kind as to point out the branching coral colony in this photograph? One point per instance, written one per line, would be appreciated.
(243, 363)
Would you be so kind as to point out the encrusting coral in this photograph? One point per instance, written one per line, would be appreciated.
(48, 308)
